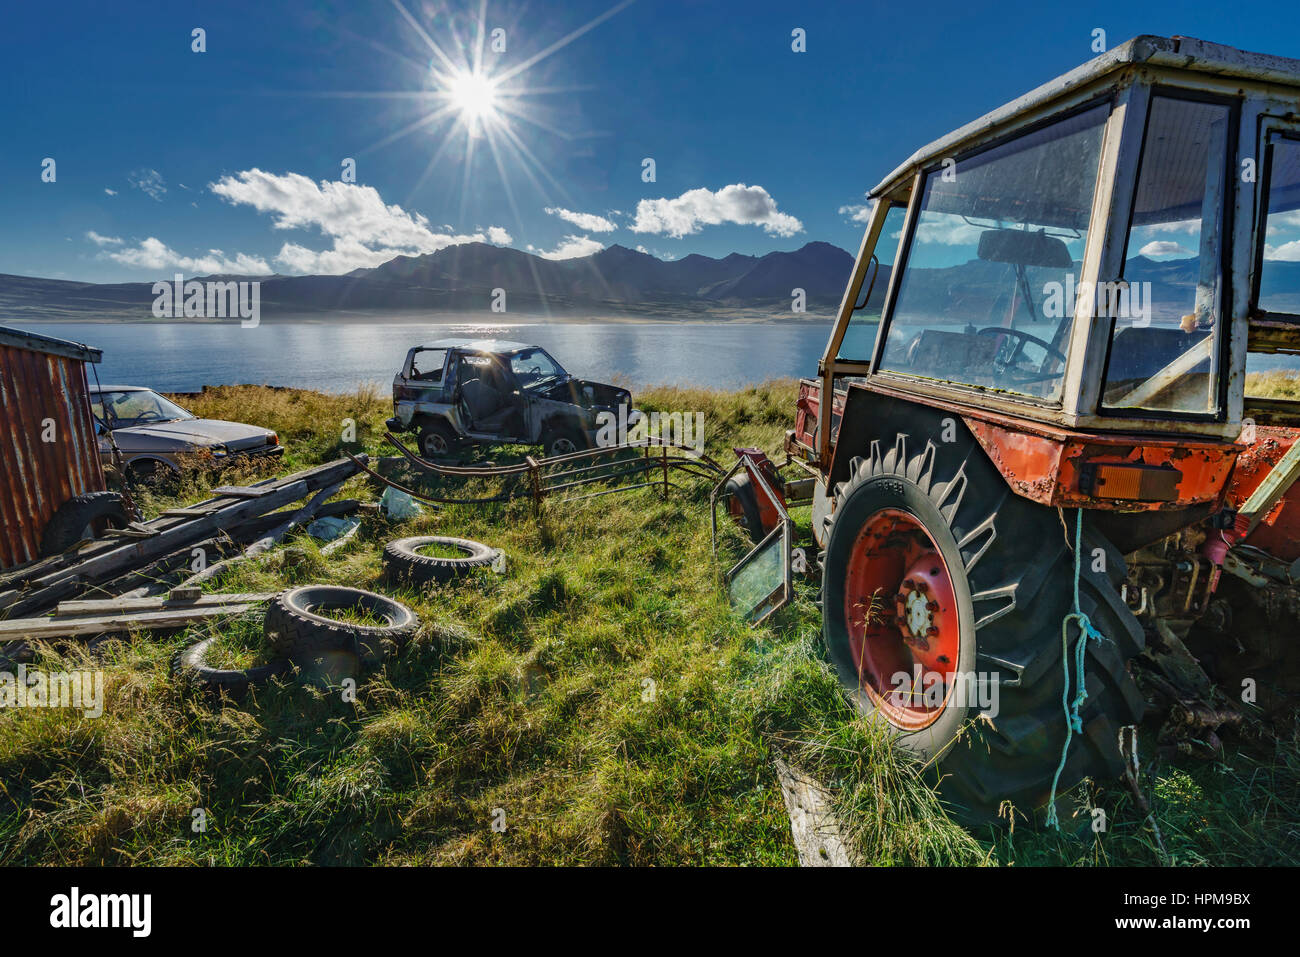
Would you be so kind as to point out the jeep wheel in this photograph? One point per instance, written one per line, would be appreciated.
(941, 588)
(438, 440)
(564, 440)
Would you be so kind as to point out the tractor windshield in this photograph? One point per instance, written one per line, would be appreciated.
(990, 269)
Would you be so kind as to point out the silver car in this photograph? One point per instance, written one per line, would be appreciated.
(156, 437)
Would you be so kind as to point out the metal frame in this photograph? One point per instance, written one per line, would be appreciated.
(576, 469)
(778, 598)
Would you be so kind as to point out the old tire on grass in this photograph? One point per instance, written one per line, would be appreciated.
(191, 666)
(974, 580)
(298, 624)
(83, 517)
(403, 560)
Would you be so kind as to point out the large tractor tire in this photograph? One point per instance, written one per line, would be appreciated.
(971, 578)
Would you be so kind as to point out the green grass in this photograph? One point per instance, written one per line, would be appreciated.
(599, 699)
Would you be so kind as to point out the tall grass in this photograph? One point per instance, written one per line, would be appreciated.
(599, 703)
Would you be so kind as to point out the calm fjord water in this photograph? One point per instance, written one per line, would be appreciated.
(339, 356)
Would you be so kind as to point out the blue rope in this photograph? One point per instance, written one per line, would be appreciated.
(1073, 723)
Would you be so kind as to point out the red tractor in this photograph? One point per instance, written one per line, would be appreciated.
(1033, 443)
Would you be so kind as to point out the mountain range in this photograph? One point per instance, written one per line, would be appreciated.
(463, 279)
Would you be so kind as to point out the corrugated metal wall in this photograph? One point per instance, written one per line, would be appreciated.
(41, 396)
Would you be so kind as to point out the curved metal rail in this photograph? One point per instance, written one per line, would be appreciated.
(563, 473)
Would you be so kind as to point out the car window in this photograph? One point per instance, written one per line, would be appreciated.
(140, 407)
(532, 366)
(426, 364)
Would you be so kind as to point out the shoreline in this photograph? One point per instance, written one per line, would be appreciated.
(434, 320)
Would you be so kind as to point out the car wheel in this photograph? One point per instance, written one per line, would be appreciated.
(149, 474)
(564, 440)
(438, 440)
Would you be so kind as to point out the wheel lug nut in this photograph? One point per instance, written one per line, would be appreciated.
(908, 583)
(931, 631)
(931, 606)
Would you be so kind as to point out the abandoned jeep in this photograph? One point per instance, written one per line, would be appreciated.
(458, 392)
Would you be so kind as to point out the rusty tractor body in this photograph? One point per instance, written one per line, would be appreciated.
(1034, 411)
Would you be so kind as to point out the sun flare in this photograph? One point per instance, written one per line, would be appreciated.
(473, 95)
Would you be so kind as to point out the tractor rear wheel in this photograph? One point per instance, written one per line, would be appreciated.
(943, 595)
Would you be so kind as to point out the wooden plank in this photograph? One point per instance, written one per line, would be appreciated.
(119, 559)
(130, 533)
(42, 571)
(104, 606)
(816, 833)
(185, 512)
(21, 629)
(242, 491)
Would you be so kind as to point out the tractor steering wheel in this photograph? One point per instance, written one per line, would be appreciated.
(1008, 367)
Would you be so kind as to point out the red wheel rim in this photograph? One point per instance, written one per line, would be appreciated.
(905, 648)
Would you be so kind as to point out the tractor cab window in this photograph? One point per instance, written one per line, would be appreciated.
(1164, 351)
(991, 266)
(1279, 267)
(869, 298)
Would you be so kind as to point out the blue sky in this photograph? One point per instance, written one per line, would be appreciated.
(170, 160)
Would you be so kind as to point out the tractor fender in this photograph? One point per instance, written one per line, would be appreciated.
(872, 416)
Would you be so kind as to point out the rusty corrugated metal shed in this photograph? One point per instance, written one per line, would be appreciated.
(48, 448)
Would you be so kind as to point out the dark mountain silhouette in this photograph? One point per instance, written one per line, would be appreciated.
(614, 281)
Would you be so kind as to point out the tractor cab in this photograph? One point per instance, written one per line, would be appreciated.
(1109, 254)
(1046, 402)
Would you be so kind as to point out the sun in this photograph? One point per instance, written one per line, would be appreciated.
(474, 97)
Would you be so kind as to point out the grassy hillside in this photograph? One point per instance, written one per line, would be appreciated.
(600, 694)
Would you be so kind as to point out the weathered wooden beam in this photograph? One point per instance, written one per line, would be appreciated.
(66, 626)
(105, 606)
(117, 559)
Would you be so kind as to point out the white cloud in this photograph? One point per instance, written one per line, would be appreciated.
(496, 234)
(858, 214)
(1164, 247)
(588, 221)
(99, 240)
(110, 192)
(149, 182)
(571, 247)
(155, 254)
(365, 230)
(1189, 226)
(738, 203)
(947, 229)
(1287, 252)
